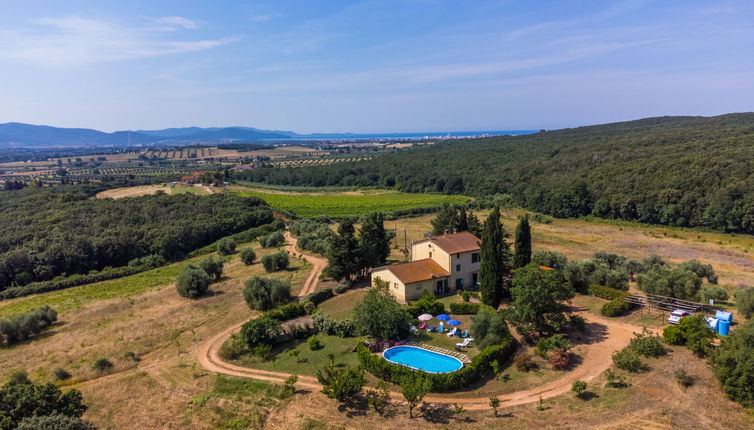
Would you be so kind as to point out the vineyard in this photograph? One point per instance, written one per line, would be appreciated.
(338, 205)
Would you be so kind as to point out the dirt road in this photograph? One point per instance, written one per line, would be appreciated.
(605, 336)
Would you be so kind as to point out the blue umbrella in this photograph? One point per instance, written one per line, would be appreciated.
(454, 322)
(443, 317)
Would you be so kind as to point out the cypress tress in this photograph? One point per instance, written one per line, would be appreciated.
(522, 254)
(495, 265)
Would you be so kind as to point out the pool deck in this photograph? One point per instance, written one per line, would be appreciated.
(463, 357)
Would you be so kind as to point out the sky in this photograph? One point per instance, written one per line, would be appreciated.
(371, 66)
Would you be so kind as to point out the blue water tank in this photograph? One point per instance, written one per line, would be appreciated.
(723, 327)
(724, 316)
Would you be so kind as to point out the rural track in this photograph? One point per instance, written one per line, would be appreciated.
(614, 335)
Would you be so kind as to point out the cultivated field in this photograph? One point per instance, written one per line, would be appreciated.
(144, 190)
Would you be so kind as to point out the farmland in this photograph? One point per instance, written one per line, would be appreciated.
(345, 204)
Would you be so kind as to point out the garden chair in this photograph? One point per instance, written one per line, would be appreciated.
(453, 332)
(431, 328)
(463, 344)
(441, 328)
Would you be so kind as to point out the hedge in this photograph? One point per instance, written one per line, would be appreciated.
(467, 375)
(318, 296)
(464, 308)
(606, 293)
(286, 312)
(615, 308)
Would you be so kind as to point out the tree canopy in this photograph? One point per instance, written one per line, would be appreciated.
(538, 301)
(495, 262)
(379, 316)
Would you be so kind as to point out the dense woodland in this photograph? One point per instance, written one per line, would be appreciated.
(53, 231)
(680, 171)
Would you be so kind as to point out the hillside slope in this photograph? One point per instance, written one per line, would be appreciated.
(682, 171)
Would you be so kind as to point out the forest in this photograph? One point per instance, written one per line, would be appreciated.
(678, 171)
(57, 231)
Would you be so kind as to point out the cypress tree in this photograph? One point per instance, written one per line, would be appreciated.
(446, 219)
(463, 221)
(344, 254)
(495, 265)
(522, 254)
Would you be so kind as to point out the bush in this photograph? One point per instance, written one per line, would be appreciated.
(464, 308)
(342, 288)
(22, 402)
(22, 326)
(263, 351)
(578, 323)
(314, 343)
(272, 240)
(226, 246)
(318, 296)
(712, 292)
(606, 293)
(733, 362)
(466, 296)
(427, 304)
(684, 379)
(233, 348)
(54, 422)
(578, 387)
(260, 331)
(329, 326)
(615, 380)
(193, 282)
(697, 335)
(276, 262)
(309, 307)
(673, 335)
(61, 374)
(559, 358)
(286, 312)
(213, 268)
(628, 360)
(247, 256)
(101, 364)
(467, 375)
(524, 362)
(745, 301)
(647, 344)
(262, 293)
(341, 383)
(488, 328)
(19, 377)
(615, 308)
(548, 344)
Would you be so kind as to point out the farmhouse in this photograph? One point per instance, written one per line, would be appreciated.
(441, 264)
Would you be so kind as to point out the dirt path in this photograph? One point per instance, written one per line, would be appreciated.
(605, 337)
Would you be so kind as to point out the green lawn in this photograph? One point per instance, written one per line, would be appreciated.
(341, 305)
(349, 204)
(308, 361)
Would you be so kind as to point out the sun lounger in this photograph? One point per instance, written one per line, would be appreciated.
(465, 334)
(463, 344)
(431, 328)
(452, 332)
(441, 328)
(422, 325)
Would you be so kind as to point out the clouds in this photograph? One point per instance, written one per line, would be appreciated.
(76, 41)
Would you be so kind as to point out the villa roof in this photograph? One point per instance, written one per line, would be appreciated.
(455, 243)
(417, 271)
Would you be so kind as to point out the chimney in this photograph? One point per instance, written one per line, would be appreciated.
(455, 230)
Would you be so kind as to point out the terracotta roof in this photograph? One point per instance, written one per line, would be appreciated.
(456, 242)
(416, 271)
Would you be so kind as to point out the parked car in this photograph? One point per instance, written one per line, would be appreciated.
(676, 315)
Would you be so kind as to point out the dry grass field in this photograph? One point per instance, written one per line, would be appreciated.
(144, 190)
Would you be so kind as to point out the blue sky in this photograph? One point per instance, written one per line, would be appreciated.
(372, 66)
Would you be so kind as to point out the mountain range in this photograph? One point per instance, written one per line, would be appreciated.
(19, 135)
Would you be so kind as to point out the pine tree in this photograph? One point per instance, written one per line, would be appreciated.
(522, 254)
(475, 226)
(495, 265)
(374, 241)
(344, 254)
(463, 221)
(445, 220)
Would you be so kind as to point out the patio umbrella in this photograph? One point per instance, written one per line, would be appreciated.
(443, 317)
(425, 317)
(454, 322)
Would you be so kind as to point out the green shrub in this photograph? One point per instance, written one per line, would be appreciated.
(193, 282)
(673, 335)
(276, 262)
(615, 379)
(341, 383)
(523, 362)
(465, 295)
(684, 379)
(698, 336)
(559, 358)
(342, 287)
(314, 343)
(263, 351)
(272, 240)
(309, 307)
(628, 360)
(263, 294)
(606, 293)
(61, 374)
(733, 362)
(213, 268)
(647, 344)
(101, 364)
(286, 312)
(467, 375)
(226, 246)
(55, 421)
(427, 304)
(318, 296)
(578, 323)
(578, 387)
(712, 292)
(464, 308)
(23, 326)
(745, 301)
(260, 331)
(548, 344)
(247, 256)
(233, 348)
(615, 308)
(329, 326)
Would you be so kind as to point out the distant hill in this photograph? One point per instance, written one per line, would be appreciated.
(681, 171)
(15, 134)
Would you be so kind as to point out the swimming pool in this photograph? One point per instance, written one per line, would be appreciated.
(421, 359)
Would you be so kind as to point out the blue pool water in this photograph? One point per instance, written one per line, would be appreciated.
(421, 359)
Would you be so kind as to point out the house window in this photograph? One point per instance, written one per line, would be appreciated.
(475, 258)
(458, 267)
(430, 254)
(395, 285)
